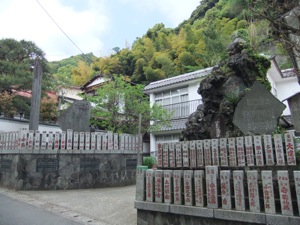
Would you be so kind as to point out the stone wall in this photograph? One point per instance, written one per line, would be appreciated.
(66, 171)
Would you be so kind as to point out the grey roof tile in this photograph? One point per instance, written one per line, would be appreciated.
(178, 79)
(178, 124)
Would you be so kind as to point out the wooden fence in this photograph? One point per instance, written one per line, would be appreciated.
(68, 140)
(254, 173)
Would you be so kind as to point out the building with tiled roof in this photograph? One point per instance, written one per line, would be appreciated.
(178, 95)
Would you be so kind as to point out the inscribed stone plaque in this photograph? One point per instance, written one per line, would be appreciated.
(177, 185)
(253, 192)
(185, 154)
(89, 164)
(199, 146)
(239, 193)
(46, 165)
(199, 187)
(268, 146)
(188, 187)
(104, 142)
(217, 127)
(131, 164)
(5, 165)
(297, 187)
(258, 151)
(110, 144)
(280, 161)
(215, 152)
(232, 152)
(240, 151)
(223, 152)
(76, 117)
(122, 142)
(193, 157)
(207, 152)
(178, 154)
(249, 150)
(225, 176)
(140, 185)
(285, 193)
(172, 154)
(268, 191)
(158, 181)
(149, 185)
(126, 144)
(168, 186)
(159, 155)
(22, 138)
(258, 111)
(116, 143)
(165, 155)
(290, 149)
(212, 187)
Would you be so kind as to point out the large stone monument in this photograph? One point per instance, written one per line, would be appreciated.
(294, 104)
(76, 117)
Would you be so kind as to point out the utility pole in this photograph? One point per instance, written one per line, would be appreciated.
(36, 96)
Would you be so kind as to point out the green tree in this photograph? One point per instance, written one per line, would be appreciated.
(118, 104)
(16, 64)
(6, 104)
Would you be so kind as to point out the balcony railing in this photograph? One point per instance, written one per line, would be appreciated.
(183, 109)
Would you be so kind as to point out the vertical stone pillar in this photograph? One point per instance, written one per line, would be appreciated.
(69, 139)
(185, 154)
(215, 152)
(177, 185)
(240, 151)
(239, 193)
(87, 140)
(158, 180)
(193, 156)
(37, 140)
(140, 185)
(223, 152)
(104, 142)
(75, 140)
(116, 143)
(199, 187)
(280, 161)
(268, 191)
(253, 192)
(110, 145)
(285, 193)
(98, 141)
(159, 155)
(232, 152)
(200, 160)
(30, 139)
(290, 149)
(172, 155)
(258, 151)
(212, 186)
(81, 140)
(297, 187)
(225, 176)
(268, 146)
(36, 96)
(63, 140)
(165, 155)
(50, 140)
(149, 185)
(93, 141)
(207, 152)
(178, 154)
(168, 186)
(188, 187)
(44, 140)
(249, 150)
(56, 140)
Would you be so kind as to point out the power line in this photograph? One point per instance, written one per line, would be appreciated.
(85, 56)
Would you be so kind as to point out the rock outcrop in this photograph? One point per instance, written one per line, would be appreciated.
(222, 90)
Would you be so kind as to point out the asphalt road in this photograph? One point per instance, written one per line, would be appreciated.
(102, 206)
(14, 212)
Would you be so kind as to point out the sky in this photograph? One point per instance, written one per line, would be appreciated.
(92, 25)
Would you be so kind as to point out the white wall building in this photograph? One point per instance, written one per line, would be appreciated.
(177, 94)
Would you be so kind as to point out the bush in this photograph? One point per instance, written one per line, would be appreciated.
(149, 161)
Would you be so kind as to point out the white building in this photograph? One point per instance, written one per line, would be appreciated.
(177, 94)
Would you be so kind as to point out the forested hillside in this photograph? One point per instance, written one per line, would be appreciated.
(197, 43)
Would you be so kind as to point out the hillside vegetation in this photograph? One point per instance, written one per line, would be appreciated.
(197, 43)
